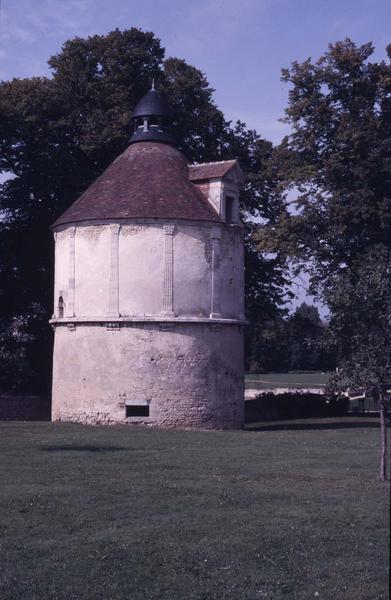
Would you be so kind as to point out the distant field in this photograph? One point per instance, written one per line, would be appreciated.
(297, 380)
(286, 511)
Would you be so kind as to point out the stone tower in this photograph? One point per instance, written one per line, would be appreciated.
(149, 289)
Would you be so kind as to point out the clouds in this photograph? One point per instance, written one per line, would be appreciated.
(58, 18)
(17, 33)
(28, 21)
(210, 26)
(31, 31)
(266, 123)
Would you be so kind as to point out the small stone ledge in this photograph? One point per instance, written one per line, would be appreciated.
(138, 421)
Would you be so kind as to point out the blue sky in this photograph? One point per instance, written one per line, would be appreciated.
(241, 45)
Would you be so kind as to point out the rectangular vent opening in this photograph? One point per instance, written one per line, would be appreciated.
(137, 410)
(229, 209)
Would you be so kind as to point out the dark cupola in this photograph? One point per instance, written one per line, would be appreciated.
(152, 119)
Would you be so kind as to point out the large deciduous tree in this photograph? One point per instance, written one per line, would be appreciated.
(57, 134)
(337, 159)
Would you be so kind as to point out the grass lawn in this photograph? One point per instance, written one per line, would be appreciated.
(297, 380)
(286, 511)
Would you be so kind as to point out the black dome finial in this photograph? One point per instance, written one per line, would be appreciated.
(152, 119)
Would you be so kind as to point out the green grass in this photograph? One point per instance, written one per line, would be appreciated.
(137, 514)
(297, 380)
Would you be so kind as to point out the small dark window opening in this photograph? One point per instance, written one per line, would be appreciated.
(229, 209)
(153, 121)
(137, 410)
(60, 307)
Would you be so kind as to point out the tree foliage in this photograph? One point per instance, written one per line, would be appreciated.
(337, 159)
(295, 342)
(306, 341)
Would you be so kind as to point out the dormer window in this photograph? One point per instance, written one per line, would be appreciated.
(229, 209)
(219, 182)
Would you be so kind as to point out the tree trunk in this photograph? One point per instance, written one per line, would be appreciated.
(383, 433)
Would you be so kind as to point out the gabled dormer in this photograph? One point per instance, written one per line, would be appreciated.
(220, 184)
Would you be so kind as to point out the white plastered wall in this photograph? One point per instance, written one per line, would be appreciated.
(141, 270)
(92, 263)
(141, 250)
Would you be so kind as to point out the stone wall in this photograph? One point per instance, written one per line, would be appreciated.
(24, 408)
(187, 375)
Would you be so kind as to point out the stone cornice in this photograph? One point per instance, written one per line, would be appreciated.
(145, 319)
(139, 221)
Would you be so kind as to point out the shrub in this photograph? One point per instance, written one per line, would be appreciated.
(267, 407)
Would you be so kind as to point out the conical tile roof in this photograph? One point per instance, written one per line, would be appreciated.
(148, 180)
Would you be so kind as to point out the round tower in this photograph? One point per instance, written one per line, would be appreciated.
(149, 289)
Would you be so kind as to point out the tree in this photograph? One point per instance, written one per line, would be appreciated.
(306, 335)
(304, 328)
(360, 330)
(57, 134)
(296, 342)
(269, 347)
(16, 374)
(337, 159)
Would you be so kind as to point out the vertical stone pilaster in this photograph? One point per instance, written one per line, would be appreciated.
(55, 299)
(215, 287)
(71, 275)
(168, 283)
(114, 271)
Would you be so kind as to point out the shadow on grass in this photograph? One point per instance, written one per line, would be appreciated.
(297, 426)
(83, 448)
